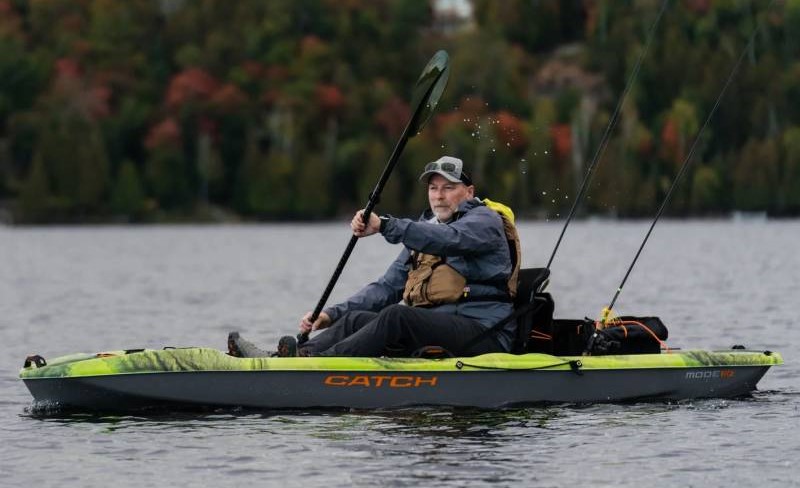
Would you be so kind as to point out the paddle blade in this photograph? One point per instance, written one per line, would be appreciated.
(428, 91)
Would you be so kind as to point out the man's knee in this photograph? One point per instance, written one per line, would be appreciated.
(393, 315)
(355, 319)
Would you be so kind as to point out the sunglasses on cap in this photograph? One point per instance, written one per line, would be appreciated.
(449, 168)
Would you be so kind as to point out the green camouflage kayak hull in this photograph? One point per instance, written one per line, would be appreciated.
(199, 377)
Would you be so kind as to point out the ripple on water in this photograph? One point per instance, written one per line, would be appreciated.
(67, 290)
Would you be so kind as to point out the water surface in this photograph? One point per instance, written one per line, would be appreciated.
(714, 283)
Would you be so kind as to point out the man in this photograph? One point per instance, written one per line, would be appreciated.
(452, 275)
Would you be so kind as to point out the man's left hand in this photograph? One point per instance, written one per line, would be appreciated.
(363, 230)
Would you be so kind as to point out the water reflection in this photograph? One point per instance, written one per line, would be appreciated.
(421, 422)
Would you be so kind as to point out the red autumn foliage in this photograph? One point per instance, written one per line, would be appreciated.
(330, 98)
(98, 98)
(698, 6)
(10, 21)
(193, 84)
(165, 133)
(510, 130)
(561, 135)
(392, 117)
(670, 143)
(254, 69)
(74, 94)
(72, 23)
(311, 46)
(67, 68)
(276, 73)
(229, 98)
(447, 121)
(473, 107)
(645, 146)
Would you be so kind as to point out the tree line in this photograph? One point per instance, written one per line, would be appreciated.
(165, 110)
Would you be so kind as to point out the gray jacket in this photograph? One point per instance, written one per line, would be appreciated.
(474, 244)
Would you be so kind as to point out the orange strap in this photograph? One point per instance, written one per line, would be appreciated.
(649, 331)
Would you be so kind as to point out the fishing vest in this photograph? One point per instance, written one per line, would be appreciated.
(431, 281)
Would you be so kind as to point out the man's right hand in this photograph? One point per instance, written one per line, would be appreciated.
(323, 320)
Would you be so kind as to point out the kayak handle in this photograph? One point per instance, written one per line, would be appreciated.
(34, 359)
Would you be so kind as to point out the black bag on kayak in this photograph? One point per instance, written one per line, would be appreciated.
(628, 335)
(625, 335)
(537, 331)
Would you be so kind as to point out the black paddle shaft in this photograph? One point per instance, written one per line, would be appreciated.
(436, 75)
(373, 200)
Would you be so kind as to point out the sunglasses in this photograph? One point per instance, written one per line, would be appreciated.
(450, 168)
(446, 167)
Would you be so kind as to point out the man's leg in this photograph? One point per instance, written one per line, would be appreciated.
(410, 328)
(347, 325)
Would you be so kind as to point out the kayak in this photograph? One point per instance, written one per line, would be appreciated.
(203, 377)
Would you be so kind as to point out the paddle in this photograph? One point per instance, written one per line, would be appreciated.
(425, 97)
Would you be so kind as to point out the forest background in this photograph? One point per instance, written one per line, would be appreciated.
(174, 110)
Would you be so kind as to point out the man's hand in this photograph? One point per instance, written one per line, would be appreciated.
(362, 230)
(323, 320)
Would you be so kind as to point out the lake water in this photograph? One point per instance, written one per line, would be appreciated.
(714, 283)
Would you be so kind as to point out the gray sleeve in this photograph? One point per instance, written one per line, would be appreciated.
(478, 231)
(387, 290)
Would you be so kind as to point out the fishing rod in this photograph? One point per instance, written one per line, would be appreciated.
(607, 311)
(606, 135)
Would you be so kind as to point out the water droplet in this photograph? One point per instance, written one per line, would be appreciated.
(546, 152)
(544, 193)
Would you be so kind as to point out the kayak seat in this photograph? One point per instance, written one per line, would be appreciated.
(530, 282)
(535, 322)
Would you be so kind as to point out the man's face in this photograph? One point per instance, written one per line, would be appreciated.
(445, 196)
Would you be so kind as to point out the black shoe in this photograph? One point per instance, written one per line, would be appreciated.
(287, 347)
(242, 348)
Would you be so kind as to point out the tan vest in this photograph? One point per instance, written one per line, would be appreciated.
(431, 281)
